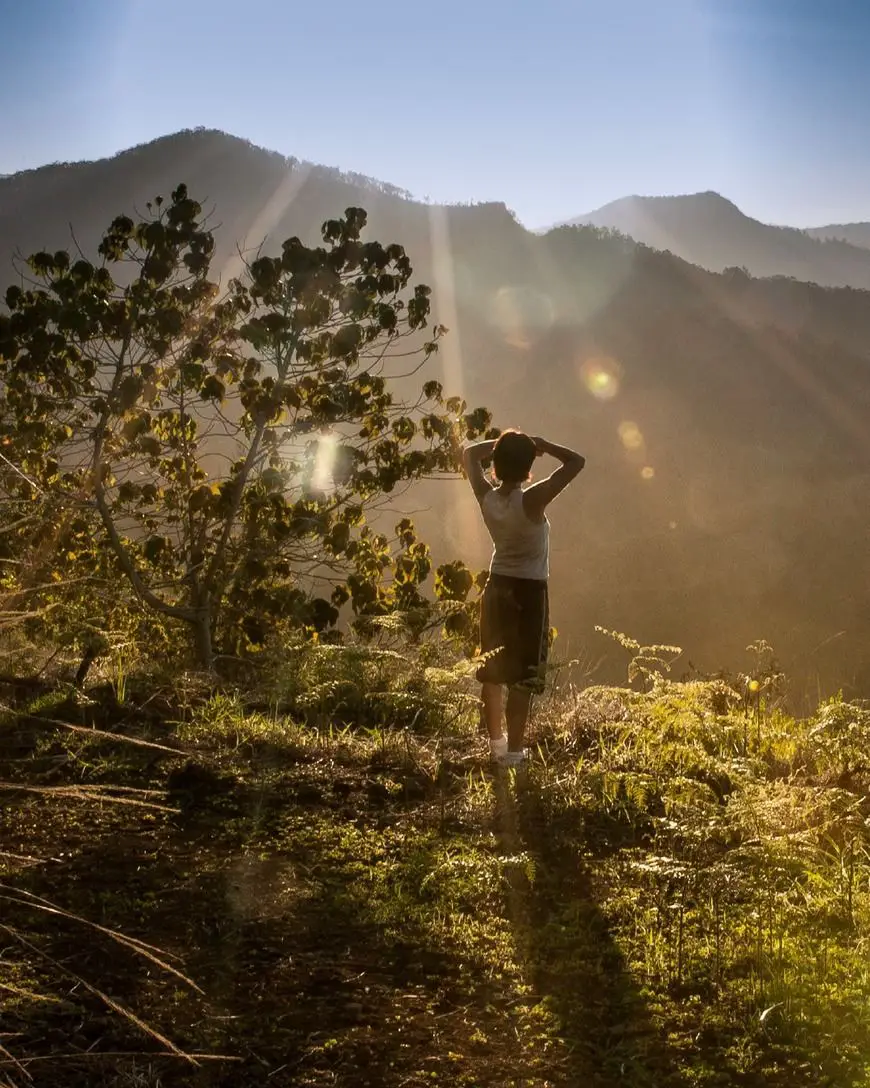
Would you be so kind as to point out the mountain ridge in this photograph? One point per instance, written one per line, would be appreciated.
(856, 234)
(662, 221)
(711, 231)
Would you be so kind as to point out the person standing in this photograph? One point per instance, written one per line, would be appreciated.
(514, 615)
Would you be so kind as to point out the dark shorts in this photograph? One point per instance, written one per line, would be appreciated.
(515, 622)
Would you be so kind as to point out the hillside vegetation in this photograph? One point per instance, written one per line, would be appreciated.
(321, 881)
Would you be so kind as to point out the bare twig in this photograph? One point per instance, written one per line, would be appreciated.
(77, 794)
(93, 732)
(12, 1060)
(115, 1006)
(149, 951)
(114, 1054)
(29, 994)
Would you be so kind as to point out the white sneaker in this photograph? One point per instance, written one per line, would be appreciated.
(498, 747)
(512, 759)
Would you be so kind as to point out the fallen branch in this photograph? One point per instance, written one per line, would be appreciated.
(77, 793)
(110, 1002)
(89, 1055)
(29, 994)
(13, 1061)
(94, 732)
(26, 857)
(149, 951)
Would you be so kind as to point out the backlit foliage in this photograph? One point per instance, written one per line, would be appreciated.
(217, 453)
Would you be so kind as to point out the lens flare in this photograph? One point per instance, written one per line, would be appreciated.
(601, 376)
(324, 462)
(521, 314)
(647, 472)
(630, 435)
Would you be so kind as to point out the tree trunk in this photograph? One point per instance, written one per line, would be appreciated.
(202, 640)
(88, 658)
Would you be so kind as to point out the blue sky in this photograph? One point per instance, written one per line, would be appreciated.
(553, 106)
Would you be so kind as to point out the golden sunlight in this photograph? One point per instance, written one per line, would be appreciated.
(266, 220)
(464, 530)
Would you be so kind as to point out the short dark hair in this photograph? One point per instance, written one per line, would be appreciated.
(513, 456)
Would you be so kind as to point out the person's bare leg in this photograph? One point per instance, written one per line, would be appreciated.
(519, 703)
(491, 698)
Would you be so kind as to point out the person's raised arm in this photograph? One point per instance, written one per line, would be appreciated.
(537, 497)
(473, 457)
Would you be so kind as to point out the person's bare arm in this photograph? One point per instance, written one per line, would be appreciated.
(537, 497)
(473, 457)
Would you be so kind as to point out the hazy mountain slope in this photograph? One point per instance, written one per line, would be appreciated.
(254, 193)
(746, 398)
(856, 234)
(709, 230)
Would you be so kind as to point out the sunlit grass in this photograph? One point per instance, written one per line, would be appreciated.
(674, 890)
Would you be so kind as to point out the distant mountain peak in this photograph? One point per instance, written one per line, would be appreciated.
(708, 196)
(708, 202)
(710, 230)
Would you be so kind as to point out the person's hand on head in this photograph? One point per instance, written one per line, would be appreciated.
(539, 446)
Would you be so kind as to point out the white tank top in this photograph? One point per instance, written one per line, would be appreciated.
(521, 547)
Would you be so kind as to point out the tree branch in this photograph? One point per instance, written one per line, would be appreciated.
(123, 556)
(129, 567)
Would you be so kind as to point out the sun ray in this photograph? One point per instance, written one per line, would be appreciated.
(450, 349)
(465, 532)
(267, 219)
(835, 407)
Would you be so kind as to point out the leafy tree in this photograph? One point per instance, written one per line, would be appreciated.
(58, 587)
(226, 449)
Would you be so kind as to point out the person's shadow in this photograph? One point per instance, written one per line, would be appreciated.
(609, 1038)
